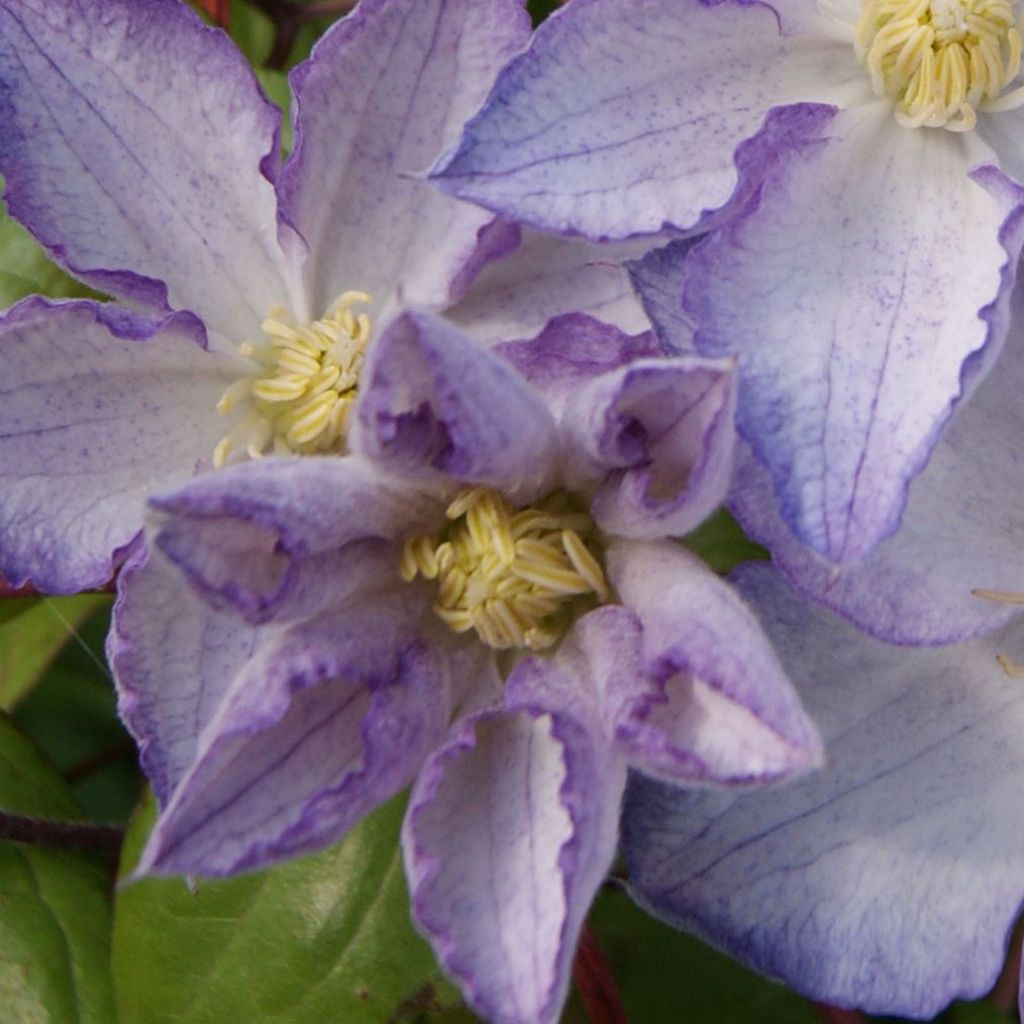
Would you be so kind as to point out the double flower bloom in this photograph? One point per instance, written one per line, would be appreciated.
(388, 546)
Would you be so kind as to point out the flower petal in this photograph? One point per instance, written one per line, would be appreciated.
(624, 117)
(890, 880)
(511, 828)
(713, 704)
(383, 94)
(132, 173)
(544, 277)
(99, 406)
(173, 657)
(434, 405)
(572, 350)
(658, 280)
(250, 537)
(661, 432)
(856, 333)
(328, 721)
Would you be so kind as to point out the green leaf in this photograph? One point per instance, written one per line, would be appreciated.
(722, 544)
(32, 633)
(325, 938)
(25, 269)
(664, 975)
(55, 915)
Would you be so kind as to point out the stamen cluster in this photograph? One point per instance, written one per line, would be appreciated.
(508, 574)
(306, 383)
(941, 59)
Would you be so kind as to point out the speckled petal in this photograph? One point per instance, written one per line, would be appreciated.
(624, 116)
(98, 406)
(329, 720)
(890, 880)
(141, 178)
(385, 91)
(856, 333)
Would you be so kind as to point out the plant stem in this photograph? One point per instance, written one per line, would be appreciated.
(78, 835)
(595, 982)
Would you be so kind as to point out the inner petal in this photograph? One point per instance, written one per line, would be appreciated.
(303, 384)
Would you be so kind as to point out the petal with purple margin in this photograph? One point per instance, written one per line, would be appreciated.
(714, 703)
(383, 94)
(889, 881)
(661, 434)
(326, 722)
(658, 280)
(856, 333)
(570, 352)
(99, 407)
(511, 827)
(624, 116)
(132, 174)
(249, 537)
(544, 277)
(173, 657)
(435, 406)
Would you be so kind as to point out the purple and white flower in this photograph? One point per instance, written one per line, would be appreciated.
(862, 163)
(250, 290)
(481, 599)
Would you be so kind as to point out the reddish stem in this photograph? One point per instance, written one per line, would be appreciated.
(596, 984)
(833, 1015)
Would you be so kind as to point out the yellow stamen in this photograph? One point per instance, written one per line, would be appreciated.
(509, 575)
(942, 60)
(302, 385)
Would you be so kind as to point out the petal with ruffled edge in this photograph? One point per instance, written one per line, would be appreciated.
(133, 174)
(855, 331)
(713, 703)
(659, 435)
(327, 721)
(99, 406)
(251, 536)
(571, 351)
(889, 881)
(961, 530)
(545, 276)
(434, 406)
(624, 117)
(511, 827)
(384, 92)
(173, 657)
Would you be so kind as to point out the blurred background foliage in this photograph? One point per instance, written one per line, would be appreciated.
(324, 939)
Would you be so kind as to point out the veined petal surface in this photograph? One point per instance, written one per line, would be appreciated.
(855, 331)
(889, 880)
(99, 407)
(383, 94)
(133, 173)
(624, 116)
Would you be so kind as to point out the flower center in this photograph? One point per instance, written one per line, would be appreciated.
(510, 575)
(941, 59)
(304, 382)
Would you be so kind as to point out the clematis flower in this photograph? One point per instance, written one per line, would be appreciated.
(480, 599)
(891, 880)
(138, 149)
(862, 163)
